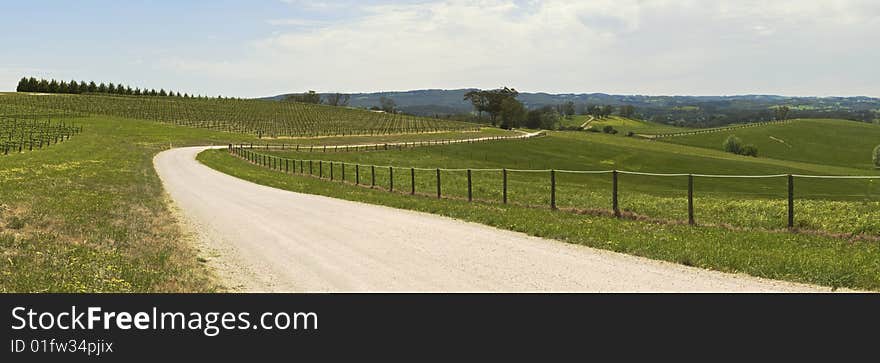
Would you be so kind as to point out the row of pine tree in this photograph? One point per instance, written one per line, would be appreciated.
(73, 87)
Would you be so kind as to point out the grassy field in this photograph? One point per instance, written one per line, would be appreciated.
(751, 203)
(89, 214)
(785, 256)
(826, 142)
(622, 125)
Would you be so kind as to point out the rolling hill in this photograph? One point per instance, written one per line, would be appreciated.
(826, 142)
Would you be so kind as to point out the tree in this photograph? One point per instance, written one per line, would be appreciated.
(53, 87)
(479, 100)
(491, 101)
(93, 87)
(22, 85)
(627, 111)
(387, 104)
(546, 118)
(512, 114)
(308, 97)
(338, 99)
(749, 150)
(781, 113)
(733, 144)
(73, 87)
(606, 111)
(877, 156)
(568, 109)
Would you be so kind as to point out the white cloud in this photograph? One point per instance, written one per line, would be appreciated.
(627, 46)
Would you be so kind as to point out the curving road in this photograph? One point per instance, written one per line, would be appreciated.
(266, 239)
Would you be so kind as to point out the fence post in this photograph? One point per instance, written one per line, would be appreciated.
(287, 166)
(412, 176)
(504, 187)
(552, 189)
(438, 183)
(390, 178)
(357, 174)
(310, 168)
(614, 205)
(331, 171)
(691, 199)
(321, 169)
(470, 192)
(790, 201)
(372, 176)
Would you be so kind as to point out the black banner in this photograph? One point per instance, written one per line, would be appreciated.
(238, 327)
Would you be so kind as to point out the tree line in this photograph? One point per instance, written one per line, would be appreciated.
(332, 99)
(32, 84)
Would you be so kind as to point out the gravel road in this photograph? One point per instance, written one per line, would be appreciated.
(265, 239)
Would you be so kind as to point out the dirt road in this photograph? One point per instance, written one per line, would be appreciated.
(266, 239)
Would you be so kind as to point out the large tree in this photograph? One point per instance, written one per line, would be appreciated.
(491, 101)
(308, 97)
(22, 85)
(627, 111)
(387, 104)
(781, 113)
(545, 117)
(338, 99)
(512, 113)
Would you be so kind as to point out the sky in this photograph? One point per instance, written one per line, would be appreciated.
(268, 47)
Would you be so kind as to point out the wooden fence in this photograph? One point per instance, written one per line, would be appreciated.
(308, 167)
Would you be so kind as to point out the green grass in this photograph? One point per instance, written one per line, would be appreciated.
(625, 125)
(836, 206)
(785, 256)
(826, 142)
(89, 214)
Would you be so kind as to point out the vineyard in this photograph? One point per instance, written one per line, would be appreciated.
(22, 134)
(261, 118)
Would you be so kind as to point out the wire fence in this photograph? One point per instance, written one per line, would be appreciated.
(541, 188)
(718, 129)
(387, 145)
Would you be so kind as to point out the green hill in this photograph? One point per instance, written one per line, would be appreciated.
(827, 142)
(622, 124)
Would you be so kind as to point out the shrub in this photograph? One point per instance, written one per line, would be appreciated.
(877, 156)
(630, 134)
(608, 129)
(749, 150)
(733, 144)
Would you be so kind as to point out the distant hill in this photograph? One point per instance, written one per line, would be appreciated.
(699, 111)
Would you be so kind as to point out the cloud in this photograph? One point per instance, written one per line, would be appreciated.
(627, 46)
